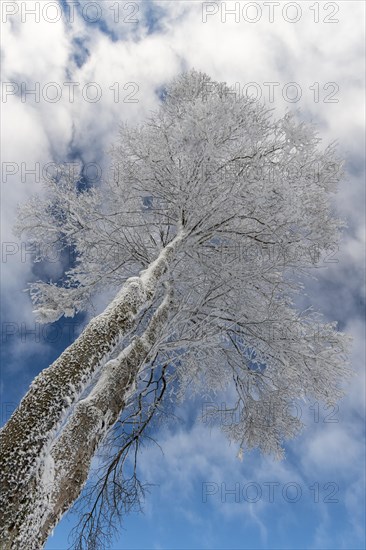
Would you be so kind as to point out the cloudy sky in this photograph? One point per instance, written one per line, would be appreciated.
(71, 72)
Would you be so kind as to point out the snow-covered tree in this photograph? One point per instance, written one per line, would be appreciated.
(214, 213)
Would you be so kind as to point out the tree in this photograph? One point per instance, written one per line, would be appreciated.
(214, 213)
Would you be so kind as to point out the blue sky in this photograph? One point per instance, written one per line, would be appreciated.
(117, 65)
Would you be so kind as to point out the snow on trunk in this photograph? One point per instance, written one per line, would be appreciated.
(72, 453)
(32, 428)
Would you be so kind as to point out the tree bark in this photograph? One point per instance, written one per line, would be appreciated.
(93, 417)
(26, 438)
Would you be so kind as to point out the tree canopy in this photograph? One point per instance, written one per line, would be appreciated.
(215, 212)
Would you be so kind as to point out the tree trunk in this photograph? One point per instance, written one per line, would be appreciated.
(27, 437)
(72, 453)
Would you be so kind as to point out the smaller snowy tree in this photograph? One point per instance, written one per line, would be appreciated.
(215, 213)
